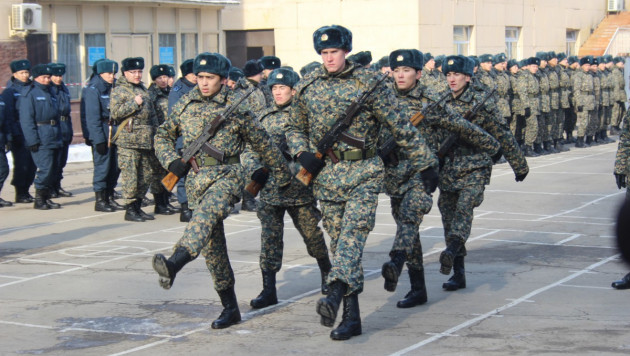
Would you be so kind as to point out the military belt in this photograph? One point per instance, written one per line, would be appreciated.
(51, 122)
(355, 155)
(211, 161)
(63, 118)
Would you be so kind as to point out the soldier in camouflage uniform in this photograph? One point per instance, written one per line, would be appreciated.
(502, 82)
(348, 190)
(528, 92)
(466, 170)
(485, 74)
(564, 79)
(573, 66)
(431, 77)
(213, 190)
(133, 111)
(583, 99)
(517, 123)
(269, 63)
(619, 95)
(542, 145)
(297, 200)
(593, 123)
(556, 116)
(158, 93)
(605, 113)
(621, 172)
(409, 198)
(234, 76)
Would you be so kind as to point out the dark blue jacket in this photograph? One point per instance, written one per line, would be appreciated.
(84, 128)
(11, 95)
(5, 135)
(39, 117)
(181, 87)
(62, 94)
(96, 99)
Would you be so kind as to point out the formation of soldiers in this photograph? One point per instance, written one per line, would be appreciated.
(321, 147)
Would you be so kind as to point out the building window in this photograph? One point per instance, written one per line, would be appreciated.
(571, 40)
(461, 39)
(68, 54)
(511, 41)
(189, 46)
(94, 50)
(167, 49)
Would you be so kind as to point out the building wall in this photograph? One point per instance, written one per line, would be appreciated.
(383, 26)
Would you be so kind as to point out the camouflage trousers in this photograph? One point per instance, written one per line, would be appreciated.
(582, 122)
(408, 212)
(593, 122)
(205, 234)
(604, 117)
(557, 124)
(456, 209)
(158, 174)
(348, 223)
(136, 173)
(530, 130)
(305, 219)
(543, 128)
(618, 110)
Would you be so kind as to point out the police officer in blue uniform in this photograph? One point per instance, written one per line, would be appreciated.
(62, 94)
(23, 165)
(39, 118)
(5, 138)
(104, 155)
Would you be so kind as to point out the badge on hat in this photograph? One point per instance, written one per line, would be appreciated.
(279, 76)
(324, 37)
(400, 58)
(137, 63)
(203, 62)
(450, 62)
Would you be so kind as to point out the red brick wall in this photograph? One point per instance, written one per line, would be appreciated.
(10, 51)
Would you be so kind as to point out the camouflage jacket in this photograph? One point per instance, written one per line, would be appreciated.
(321, 100)
(256, 102)
(274, 120)
(502, 81)
(583, 91)
(160, 101)
(565, 86)
(467, 165)
(619, 86)
(623, 150)
(189, 116)
(545, 97)
(434, 79)
(554, 86)
(606, 82)
(516, 104)
(436, 126)
(269, 102)
(138, 132)
(597, 88)
(528, 90)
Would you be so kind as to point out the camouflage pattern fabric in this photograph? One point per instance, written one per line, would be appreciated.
(256, 102)
(564, 80)
(136, 172)
(528, 90)
(434, 79)
(142, 117)
(593, 122)
(502, 81)
(584, 99)
(618, 96)
(544, 118)
(305, 219)
(623, 149)
(456, 208)
(348, 191)
(159, 97)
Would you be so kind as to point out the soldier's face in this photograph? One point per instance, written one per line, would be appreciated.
(553, 61)
(334, 59)
(619, 64)
(405, 77)
(209, 83)
(22, 75)
(265, 73)
(231, 83)
(134, 76)
(161, 81)
(56, 79)
(191, 77)
(486, 66)
(42, 79)
(585, 67)
(514, 69)
(387, 69)
(108, 77)
(533, 68)
(282, 94)
(430, 64)
(457, 82)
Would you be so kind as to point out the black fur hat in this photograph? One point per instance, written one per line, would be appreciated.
(252, 67)
(105, 65)
(406, 58)
(58, 69)
(212, 63)
(270, 62)
(334, 36)
(458, 64)
(132, 63)
(20, 64)
(363, 58)
(159, 70)
(187, 67)
(283, 76)
(41, 69)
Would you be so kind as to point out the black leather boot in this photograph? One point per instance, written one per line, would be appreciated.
(448, 256)
(579, 142)
(539, 150)
(40, 200)
(328, 307)
(167, 269)
(131, 213)
(22, 195)
(161, 204)
(418, 293)
(528, 151)
(548, 146)
(391, 269)
(249, 202)
(101, 203)
(111, 200)
(145, 216)
(186, 214)
(63, 193)
(623, 283)
(4, 203)
(559, 146)
(268, 295)
(230, 314)
(589, 141)
(605, 137)
(51, 204)
(458, 280)
(324, 269)
(350, 320)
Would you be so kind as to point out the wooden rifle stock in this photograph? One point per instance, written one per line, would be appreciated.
(254, 187)
(305, 176)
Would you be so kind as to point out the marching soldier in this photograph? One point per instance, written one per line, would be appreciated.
(213, 190)
(348, 190)
(432, 78)
(61, 92)
(621, 172)
(133, 111)
(23, 166)
(584, 99)
(297, 199)
(410, 198)
(39, 119)
(467, 170)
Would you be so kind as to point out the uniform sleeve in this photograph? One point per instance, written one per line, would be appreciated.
(469, 132)
(498, 128)
(166, 138)
(297, 127)
(27, 121)
(93, 116)
(623, 150)
(123, 105)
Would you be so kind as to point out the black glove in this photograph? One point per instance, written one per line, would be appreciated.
(34, 148)
(430, 179)
(260, 176)
(179, 168)
(88, 142)
(311, 163)
(621, 180)
(101, 148)
(521, 177)
(528, 112)
(580, 108)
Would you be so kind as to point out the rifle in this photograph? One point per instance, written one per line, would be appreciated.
(386, 151)
(448, 143)
(201, 142)
(254, 187)
(337, 132)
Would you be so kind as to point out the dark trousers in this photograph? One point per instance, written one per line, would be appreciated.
(62, 159)
(23, 165)
(106, 171)
(46, 161)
